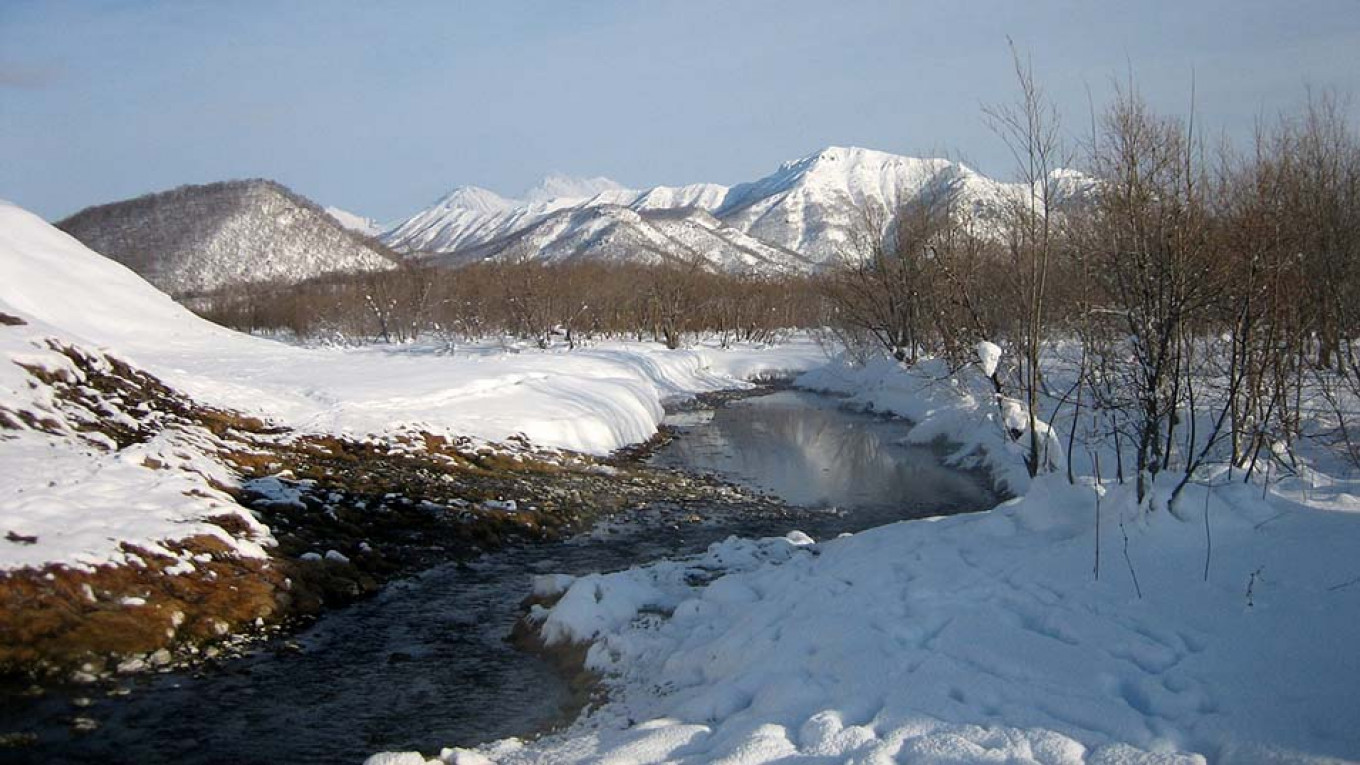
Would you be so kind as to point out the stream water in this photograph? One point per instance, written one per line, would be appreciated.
(426, 664)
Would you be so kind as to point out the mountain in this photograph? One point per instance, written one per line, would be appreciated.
(367, 227)
(197, 239)
(612, 232)
(797, 219)
(566, 187)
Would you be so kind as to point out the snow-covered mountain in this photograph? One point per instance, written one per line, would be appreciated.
(613, 232)
(566, 187)
(355, 222)
(197, 239)
(796, 219)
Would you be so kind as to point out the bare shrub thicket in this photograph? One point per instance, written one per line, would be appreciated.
(1214, 293)
(539, 304)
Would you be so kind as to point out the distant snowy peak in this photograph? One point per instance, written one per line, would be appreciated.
(563, 187)
(356, 223)
(815, 204)
(804, 214)
(702, 196)
(475, 199)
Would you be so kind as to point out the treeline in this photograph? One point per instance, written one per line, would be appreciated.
(540, 304)
(1215, 291)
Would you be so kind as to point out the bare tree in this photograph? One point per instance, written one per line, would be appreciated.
(1030, 129)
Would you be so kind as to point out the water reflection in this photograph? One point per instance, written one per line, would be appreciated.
(806, 449)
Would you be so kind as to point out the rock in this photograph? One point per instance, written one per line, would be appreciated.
(84, 724)
(17, 740)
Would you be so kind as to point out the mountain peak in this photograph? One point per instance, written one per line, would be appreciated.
(557, 186)
(474, 199)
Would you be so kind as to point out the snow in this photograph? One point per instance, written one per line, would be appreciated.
(989, 355)
(981, 638)
(355, 222)
(990, 637)
(793, 220)
(75, 497)
(556, 187)
(81, 503)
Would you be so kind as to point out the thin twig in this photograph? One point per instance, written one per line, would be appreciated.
(1251, 586)
(1099, 490)
(1129, 560)
(1343, 585)
(1208, 538)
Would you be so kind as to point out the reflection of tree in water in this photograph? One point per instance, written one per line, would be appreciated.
(814, 454)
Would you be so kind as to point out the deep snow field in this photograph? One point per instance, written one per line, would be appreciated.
(990, 637)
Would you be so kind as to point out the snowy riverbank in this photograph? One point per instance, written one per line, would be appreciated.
(80, 500)
(985, 637)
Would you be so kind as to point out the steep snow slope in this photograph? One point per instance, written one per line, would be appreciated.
(814, 205)
(466, 217)
(704, 196)
(197, 239)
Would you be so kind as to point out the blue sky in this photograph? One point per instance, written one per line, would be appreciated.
(382, 107)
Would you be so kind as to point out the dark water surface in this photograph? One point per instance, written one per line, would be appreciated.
(426, 664)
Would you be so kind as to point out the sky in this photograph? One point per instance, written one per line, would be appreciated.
(381, 108)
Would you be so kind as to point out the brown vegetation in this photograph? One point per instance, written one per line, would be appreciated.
(539, 304)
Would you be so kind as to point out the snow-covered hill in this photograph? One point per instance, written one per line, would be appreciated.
(196, 239)
(795, 219)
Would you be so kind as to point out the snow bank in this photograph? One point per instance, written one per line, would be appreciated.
(593, 400)
(992, 637)
(82, 502)
(983, 637)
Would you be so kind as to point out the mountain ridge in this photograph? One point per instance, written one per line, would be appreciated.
(801, 217)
